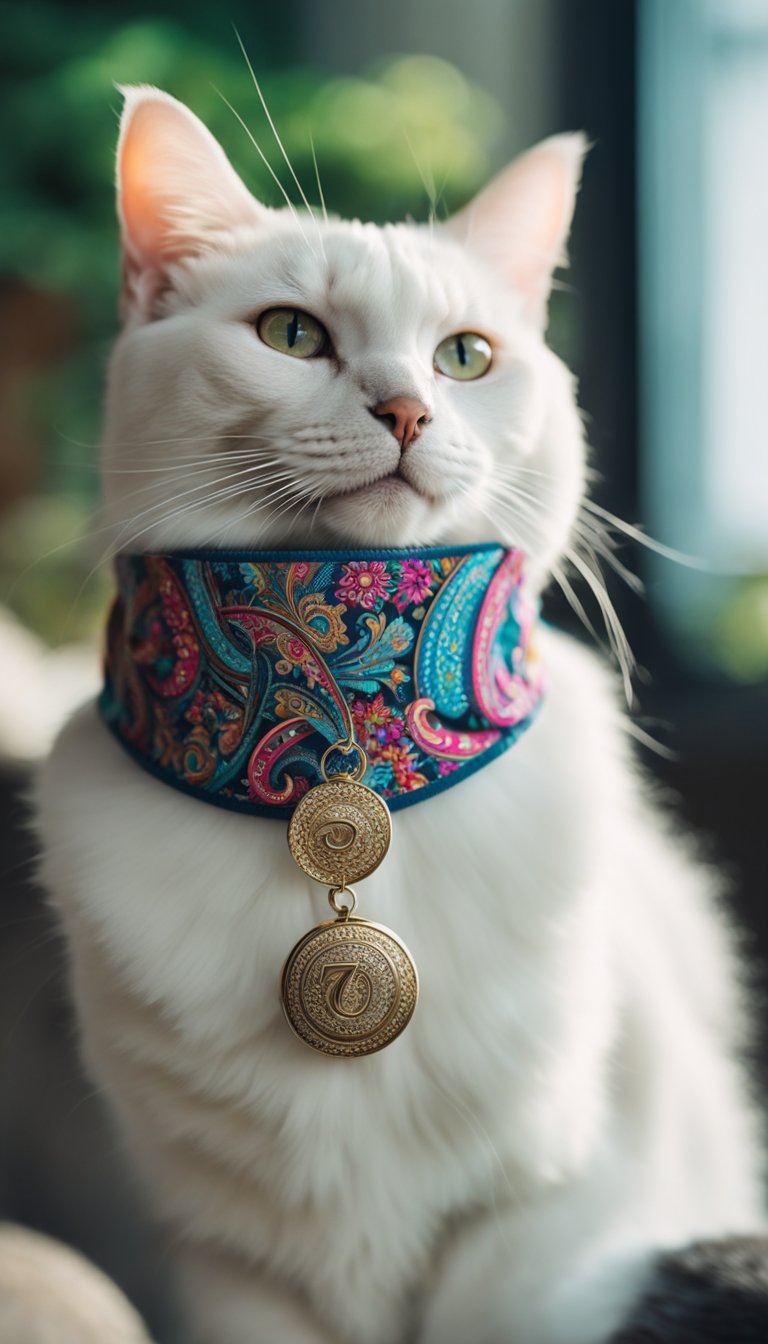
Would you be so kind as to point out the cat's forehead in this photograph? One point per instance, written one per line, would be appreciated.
(397, 269)
(373, 276)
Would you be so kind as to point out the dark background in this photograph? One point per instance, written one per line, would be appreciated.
(549, 65)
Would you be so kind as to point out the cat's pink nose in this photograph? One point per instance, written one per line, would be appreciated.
(406, 417)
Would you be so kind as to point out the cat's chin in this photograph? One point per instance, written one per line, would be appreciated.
(389, 512)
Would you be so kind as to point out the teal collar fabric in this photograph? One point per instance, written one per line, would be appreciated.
(229, 673)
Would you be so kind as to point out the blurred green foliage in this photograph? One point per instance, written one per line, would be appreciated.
(374, 136)
(739, 639)
(412, 133)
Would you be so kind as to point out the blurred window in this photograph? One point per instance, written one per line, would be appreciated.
(703, 192)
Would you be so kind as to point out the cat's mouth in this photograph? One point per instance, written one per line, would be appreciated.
(391, 488)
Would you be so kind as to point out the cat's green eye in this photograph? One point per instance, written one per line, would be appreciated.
(466, 355)
(292, 332)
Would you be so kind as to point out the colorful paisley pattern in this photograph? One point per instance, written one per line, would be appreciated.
(228, 674)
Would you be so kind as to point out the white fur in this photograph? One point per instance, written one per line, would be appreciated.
(567, 1097)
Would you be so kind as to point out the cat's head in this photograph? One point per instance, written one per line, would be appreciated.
(289, 380)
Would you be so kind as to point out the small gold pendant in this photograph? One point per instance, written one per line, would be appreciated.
(349, 986)
(340, 831)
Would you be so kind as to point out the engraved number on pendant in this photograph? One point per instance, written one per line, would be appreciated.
(347, 981)
(338, 835)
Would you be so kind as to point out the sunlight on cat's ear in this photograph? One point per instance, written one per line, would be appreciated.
(176, 188)
(519, 223)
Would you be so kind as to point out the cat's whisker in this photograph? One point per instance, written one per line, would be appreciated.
(317, 178)
(283, 151)
(121, 542)
(292, 498)
(520, 509)
(512, 471)
(575, 603)
(619, 641)
(190, 466)
(274, 130)
(512, 528)
(649, 742)
(205, 462)
(437, 201)
(598, 542)
(158, 443)
(315, 513)
(614, 629)
(593, 538)
(311, 498)
(213, 492)
(513, 489)
(427, 183)
(79, 538)
(265, 161)
(212, 459)
(636, 534)
(562, 581)
(207, 471)
(210, 497)
(512, 493)
(483, 508)
(518, 503)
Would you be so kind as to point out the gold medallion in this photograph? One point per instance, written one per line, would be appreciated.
(340, 831)
(349, 987)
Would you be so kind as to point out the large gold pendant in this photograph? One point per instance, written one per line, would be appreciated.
(349, 986)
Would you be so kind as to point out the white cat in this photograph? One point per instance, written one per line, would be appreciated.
(566, 1099)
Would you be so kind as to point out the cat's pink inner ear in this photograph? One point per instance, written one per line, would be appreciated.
(520, 222)
(177, 192)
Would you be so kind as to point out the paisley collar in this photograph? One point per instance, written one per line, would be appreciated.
(229, 673)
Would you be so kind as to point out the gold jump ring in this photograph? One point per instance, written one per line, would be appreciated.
(345, 910)
(345, 748)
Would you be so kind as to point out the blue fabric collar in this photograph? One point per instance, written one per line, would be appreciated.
(229, 673)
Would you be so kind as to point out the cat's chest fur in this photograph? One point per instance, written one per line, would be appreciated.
(492, 887)
(180, 916)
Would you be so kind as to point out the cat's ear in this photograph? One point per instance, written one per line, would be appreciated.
(176, 191)
(520, 222)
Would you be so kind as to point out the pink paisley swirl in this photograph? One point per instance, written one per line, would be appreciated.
(265, 759)
(447, 744)
(502, 696)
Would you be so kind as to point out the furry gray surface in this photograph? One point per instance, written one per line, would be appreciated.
(714, 1292)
